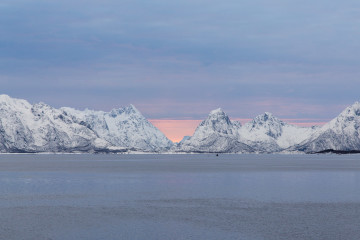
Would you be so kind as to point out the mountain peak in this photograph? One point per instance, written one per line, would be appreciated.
(217, 121)
(266, 117)
(132, 108)
(124, 127)
(217, 111)
(356, 108)
(267, 124)
(4, 97)
(341, 133)
(41, 105)
(350, 112)
(217, 115)
(13, 103)
(128, 110)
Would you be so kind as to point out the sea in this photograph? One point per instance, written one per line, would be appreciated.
(179, 196)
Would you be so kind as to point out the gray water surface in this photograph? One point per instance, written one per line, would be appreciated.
(179, 197)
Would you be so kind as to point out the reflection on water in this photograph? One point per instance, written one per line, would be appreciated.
(273, 186)
(112, 178)
(180, 196)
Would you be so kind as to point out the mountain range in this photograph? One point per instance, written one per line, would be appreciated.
(264, 134)
(36, 128)
(27, 128)
(268, 134)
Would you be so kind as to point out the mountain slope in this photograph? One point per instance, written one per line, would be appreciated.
(264, 134)
(341, 133)
(123, 127)
(41, 128)
(215, 134)
(267, 133)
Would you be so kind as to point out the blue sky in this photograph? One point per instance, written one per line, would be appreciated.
(181, 59)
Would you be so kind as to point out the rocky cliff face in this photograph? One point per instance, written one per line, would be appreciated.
(267, 133)
(41, 128)
(341, 133)
(124, 127)
(264, 134)
(215, 134)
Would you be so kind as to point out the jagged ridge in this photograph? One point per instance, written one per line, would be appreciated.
(268, 134)
(340, 134)
(42, 128)
(124, 127)
(217, 133)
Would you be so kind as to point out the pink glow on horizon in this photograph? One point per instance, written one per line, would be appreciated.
(175, 130)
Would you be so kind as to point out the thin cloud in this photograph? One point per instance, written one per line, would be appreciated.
(182, 59)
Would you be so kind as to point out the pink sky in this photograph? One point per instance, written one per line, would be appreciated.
(175, 130)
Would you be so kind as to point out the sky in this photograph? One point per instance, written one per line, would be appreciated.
(178, 60)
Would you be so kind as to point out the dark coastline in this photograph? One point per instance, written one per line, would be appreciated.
(338, 151)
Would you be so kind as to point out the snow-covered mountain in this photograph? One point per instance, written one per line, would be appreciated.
(267, 133)
(341, 133)
(264, 134)
(41, 128)
(217, 133)
(123, 127)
